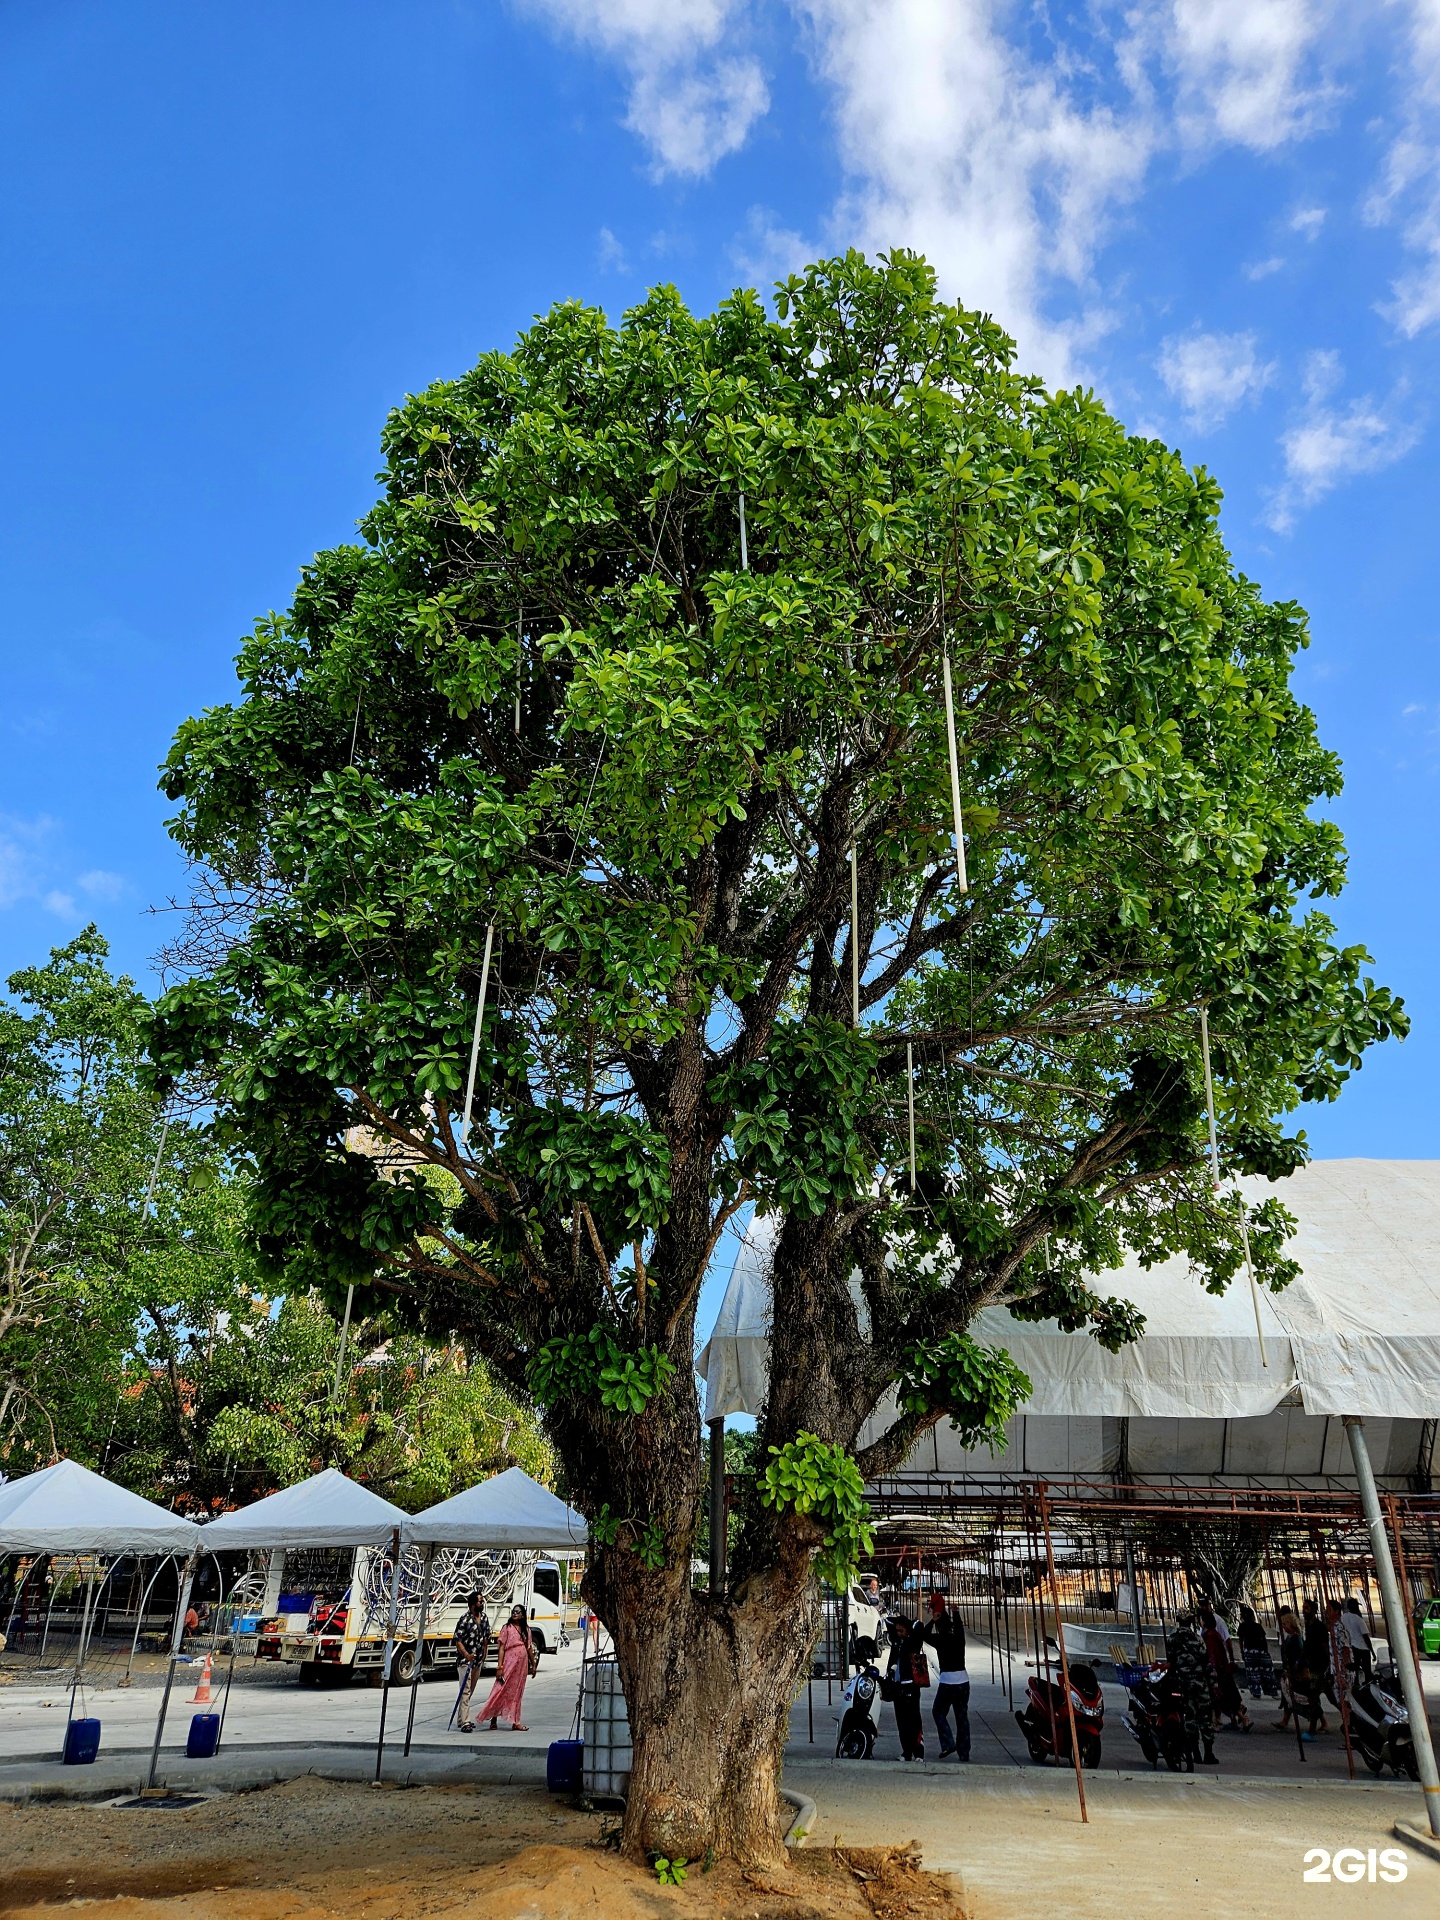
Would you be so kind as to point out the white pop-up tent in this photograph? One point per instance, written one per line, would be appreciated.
(68, 1509)
(327, 1510)
(510, 1510)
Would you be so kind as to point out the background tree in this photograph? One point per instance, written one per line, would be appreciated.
(134, 1332)
(546, 694)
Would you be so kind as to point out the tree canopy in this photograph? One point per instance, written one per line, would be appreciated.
(548, 692)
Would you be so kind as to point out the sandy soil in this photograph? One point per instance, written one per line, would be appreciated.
(313, 1848)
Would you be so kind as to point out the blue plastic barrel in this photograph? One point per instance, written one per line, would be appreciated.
(563, 1764)
(82, 1742)
(204, 1736)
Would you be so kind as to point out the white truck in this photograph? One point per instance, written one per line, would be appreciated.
(327, 1610)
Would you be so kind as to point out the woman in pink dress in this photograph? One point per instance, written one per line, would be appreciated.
(512, 1670)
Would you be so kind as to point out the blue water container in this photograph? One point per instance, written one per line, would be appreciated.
(82, 1742)
(204, 1736)
(562, 1766)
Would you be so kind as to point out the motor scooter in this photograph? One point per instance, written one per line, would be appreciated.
(1045, 1722)
(860, 1722)
(1155, 1715)
(1380, 1723)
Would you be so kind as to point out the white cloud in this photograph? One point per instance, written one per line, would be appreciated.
(1330, 443)
(62, 904)
(611, 254)
(1410, 191)
(100, 885)
(693, 98)
(1309, 221)
(1210, 374)
(765, 252)
(999, 169)
(23, 846)
(1241, 69)
(1262, 269)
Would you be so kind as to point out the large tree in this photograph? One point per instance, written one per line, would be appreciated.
(547, 695)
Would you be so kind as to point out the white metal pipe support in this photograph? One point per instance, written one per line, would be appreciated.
(1397, 1623)
(177, 1637)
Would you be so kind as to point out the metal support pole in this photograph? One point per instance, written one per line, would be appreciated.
(1136, 1620)
(176, 1637)
(1064, 1659)
(81, 1643)
(717, 1505)
(389, 1649)
(1397, 1623)
(475, 1040)
(419, 1644)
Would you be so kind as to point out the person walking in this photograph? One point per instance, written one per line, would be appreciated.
(1317, 1658)
(472, 1636)
(1300, 1690)
(1221, 1651)
(945, 1631)
(1255, 1652)
(902, 1684)
(1190, 1665)
(515, 1661)
(1362, 1653)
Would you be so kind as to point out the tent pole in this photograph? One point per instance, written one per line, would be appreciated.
(81, 1644)
(140, 1617)
(389, 1650)
(1397, 1622)
(344, 1339)
(419, 1644)
(475, 1041)
(1064, 1658)
(717, 1505)
(176, 1637)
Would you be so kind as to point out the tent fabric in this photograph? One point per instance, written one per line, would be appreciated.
(328, 1510)
(735, 1360)
(509, 1510)
(1358, 1332)
(68, 1509)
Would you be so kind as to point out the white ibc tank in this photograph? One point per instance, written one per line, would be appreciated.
(605, 1723)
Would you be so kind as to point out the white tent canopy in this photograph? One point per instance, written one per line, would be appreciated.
(510, 1510)
(328, 1510)
(68, 1509)
(1358, 1332)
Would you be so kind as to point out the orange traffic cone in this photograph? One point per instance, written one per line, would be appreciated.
(201, 1695)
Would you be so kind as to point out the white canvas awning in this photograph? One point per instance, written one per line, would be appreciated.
(509, 1510)
(328, 1510)
(1358, 1332)
(68, 1509)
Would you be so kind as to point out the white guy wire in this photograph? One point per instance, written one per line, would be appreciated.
(964, 884)
(910, 1104)
(475, 1042)
(744, 550)
(1215, 1179)
(854, 940)
(519, 666)
(154, 1174)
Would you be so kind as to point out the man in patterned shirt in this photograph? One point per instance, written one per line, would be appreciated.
(472, 1636)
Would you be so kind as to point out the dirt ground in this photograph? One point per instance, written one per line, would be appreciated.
(312, 1848)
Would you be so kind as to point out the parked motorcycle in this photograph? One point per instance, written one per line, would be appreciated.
(1380, 1723)
(1045, 1722)
(860, 1721)
(1155, 1716)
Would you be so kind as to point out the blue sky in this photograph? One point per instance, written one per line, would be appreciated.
(231, 237)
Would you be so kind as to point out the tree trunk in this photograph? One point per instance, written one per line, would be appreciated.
(709, 1685)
